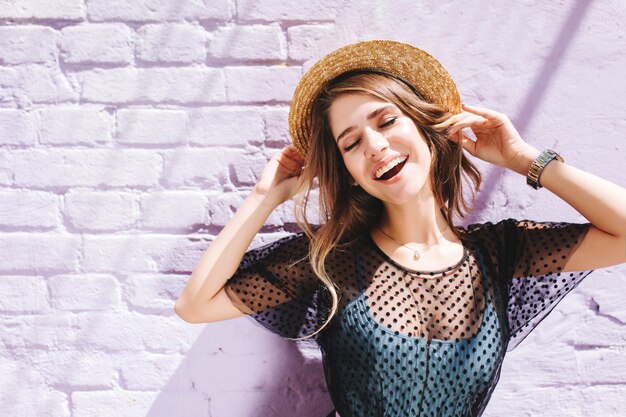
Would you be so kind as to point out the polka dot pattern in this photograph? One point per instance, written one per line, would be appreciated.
(414, 343)
(536, 255)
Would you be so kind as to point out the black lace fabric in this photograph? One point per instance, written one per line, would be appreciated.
(536, 255)
(408, 342)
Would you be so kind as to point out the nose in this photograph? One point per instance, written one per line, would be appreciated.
(375, 142)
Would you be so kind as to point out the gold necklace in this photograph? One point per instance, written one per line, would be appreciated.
(416, 252)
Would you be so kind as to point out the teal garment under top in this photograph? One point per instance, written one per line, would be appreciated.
(379, 372)
(406, 343)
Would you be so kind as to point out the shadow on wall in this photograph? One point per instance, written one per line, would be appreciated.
(238, 369)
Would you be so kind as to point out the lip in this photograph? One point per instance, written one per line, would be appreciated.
(395, 178)
(384, 162)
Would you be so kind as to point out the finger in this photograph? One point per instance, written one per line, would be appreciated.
(294, 159)
(289, 162)
(459, 116)
(292, 150)
(467, 144)
(486, 113)
(474, 121)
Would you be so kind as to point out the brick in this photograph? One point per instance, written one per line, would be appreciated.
(42, 9)
(122, 403)
(223, 206)
(148, 372)
(153, 85)
(27, 44)
(75, 369)
(284, 212)
(557, 364)
(228, 382)
(261, 84)
(17, 376)
(17, 127)
(248, 168)
(255, 42)
(84, 292)
(603, 400)
(6, 163)
(74, 125)
(85, 167)
(173, 210)
(34, 400)
(154, 293)
(171, 43)
(610, 301)
(591, 330)
(139, 253)
(151, 126)
(205, 168)
(18, 379)
(117, 402)
(97, 44)
(601, 366)
(101, 211)
(158, 10)
(23, 294)
(37, 252)
(37, 331)
(304, 41)
(286, 401)
(29, 209)
(133, 332)
(270, 11)
(225, 126)
(25, 85)
(535, 401)
(277, 126)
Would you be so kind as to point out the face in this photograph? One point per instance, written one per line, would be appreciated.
(372, 135)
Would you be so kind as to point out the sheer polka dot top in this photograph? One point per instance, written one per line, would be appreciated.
(407, 342)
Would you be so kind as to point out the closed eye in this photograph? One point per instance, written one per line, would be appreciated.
(356, 142)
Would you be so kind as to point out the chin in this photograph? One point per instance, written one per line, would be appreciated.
(408, 194)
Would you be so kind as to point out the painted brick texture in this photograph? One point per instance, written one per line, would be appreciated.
(130, 131)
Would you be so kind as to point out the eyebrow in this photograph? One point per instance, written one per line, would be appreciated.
(369, 117)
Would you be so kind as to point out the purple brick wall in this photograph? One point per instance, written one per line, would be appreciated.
(131, 130)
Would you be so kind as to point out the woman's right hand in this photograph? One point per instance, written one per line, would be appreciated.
(279, 178)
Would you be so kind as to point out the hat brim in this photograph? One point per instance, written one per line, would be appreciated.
(411, 64)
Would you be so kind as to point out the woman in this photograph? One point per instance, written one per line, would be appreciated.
(412, 313)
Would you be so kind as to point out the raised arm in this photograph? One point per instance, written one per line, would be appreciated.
(219, 262)
(598, 200)
(221, 259)
(601, 202)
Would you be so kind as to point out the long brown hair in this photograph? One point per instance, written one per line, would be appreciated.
(346, 212)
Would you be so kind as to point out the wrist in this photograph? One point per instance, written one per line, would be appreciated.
(264, 199)
(524, 159)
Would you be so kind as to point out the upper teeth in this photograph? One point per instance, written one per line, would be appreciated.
(390, 165)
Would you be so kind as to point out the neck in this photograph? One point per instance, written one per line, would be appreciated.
(419, 222)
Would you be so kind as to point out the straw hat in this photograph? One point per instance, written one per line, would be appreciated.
(413, 65)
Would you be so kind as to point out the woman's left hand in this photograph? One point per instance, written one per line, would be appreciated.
(498, 142)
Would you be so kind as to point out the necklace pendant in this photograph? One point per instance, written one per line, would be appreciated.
(417, 254)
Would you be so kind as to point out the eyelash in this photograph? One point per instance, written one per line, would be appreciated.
(356, 142)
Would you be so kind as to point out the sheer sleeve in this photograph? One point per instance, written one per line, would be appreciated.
(276, 286)
(532, 257)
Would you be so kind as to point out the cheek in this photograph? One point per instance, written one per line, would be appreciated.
(409, 130)
(351, 167)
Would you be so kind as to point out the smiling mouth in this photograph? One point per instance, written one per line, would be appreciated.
(393, 171)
